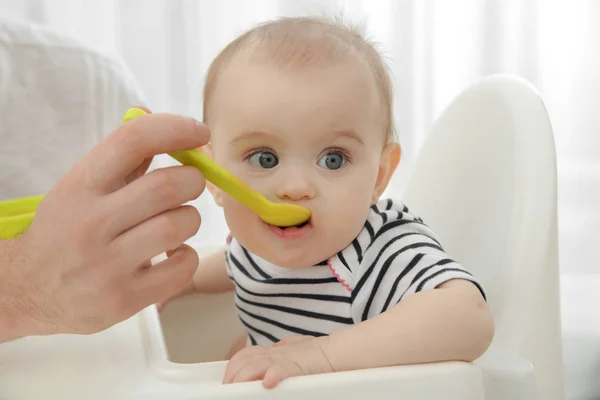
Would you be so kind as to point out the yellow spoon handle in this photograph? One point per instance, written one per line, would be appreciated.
(23, 205)
(221, 178)
(16, 216)
(213, 172)
(14, 226)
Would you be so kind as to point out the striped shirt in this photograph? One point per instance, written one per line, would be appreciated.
(394, 256)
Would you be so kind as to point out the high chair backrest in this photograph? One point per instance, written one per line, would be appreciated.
(485, 182)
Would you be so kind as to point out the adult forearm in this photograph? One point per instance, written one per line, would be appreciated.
(432, 326)
(13, 324)
(10, 328)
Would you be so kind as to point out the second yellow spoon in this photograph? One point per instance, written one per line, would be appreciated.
(278, 214)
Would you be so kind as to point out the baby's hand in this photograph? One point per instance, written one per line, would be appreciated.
(293, 356)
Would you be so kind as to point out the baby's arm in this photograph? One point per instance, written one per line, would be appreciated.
(448, 323)
(452, 322)
(211, 275)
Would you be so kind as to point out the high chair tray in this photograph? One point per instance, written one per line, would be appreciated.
(129, 361)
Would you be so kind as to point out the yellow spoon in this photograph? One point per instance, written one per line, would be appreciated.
(15, 207)
(16, 215)
(279, 214)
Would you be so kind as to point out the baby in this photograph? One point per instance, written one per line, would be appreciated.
(301, 110)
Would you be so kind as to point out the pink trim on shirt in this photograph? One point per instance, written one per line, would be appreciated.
(340, 280)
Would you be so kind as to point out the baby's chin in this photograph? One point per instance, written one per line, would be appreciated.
(292, 259)
(291, 254)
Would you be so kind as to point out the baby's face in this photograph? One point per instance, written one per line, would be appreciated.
(310, 136)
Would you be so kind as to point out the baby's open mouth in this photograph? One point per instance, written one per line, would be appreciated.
(292, 232)
(302, 225)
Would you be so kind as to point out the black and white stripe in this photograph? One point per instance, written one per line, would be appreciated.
(394, 256)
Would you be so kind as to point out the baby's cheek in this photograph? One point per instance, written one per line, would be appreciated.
(237, 216)
(349, 214)
(244, 225)
(356, 194)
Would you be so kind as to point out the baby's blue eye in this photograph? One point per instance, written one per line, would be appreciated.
(264, 159)
(332, 160)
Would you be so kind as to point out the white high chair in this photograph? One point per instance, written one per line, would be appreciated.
(497, 217)
(486, 183)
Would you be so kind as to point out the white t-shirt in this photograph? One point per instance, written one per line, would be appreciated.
(394, 256)
(58, 98)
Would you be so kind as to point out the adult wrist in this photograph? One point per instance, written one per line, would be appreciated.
(11, 327)
(14, 323)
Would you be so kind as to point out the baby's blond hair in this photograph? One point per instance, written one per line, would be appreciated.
(306, 41)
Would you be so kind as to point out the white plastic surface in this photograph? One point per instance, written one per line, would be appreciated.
(129, 361)
(108, 365)
(486, 183)
(508, 378)
(456, 380)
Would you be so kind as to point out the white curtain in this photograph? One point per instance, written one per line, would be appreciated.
(435, 49)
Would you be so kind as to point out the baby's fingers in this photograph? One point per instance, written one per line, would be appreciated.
(242, 359)
(275, 374)
(233, 367)
(252, 371)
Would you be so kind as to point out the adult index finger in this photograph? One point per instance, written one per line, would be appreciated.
(123, 151)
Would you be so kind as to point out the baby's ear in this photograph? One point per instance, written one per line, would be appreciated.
(390, 158)
(217, 194)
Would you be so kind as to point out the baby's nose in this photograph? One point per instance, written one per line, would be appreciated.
(296, 187)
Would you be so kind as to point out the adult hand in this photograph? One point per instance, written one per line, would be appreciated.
(84, 263)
